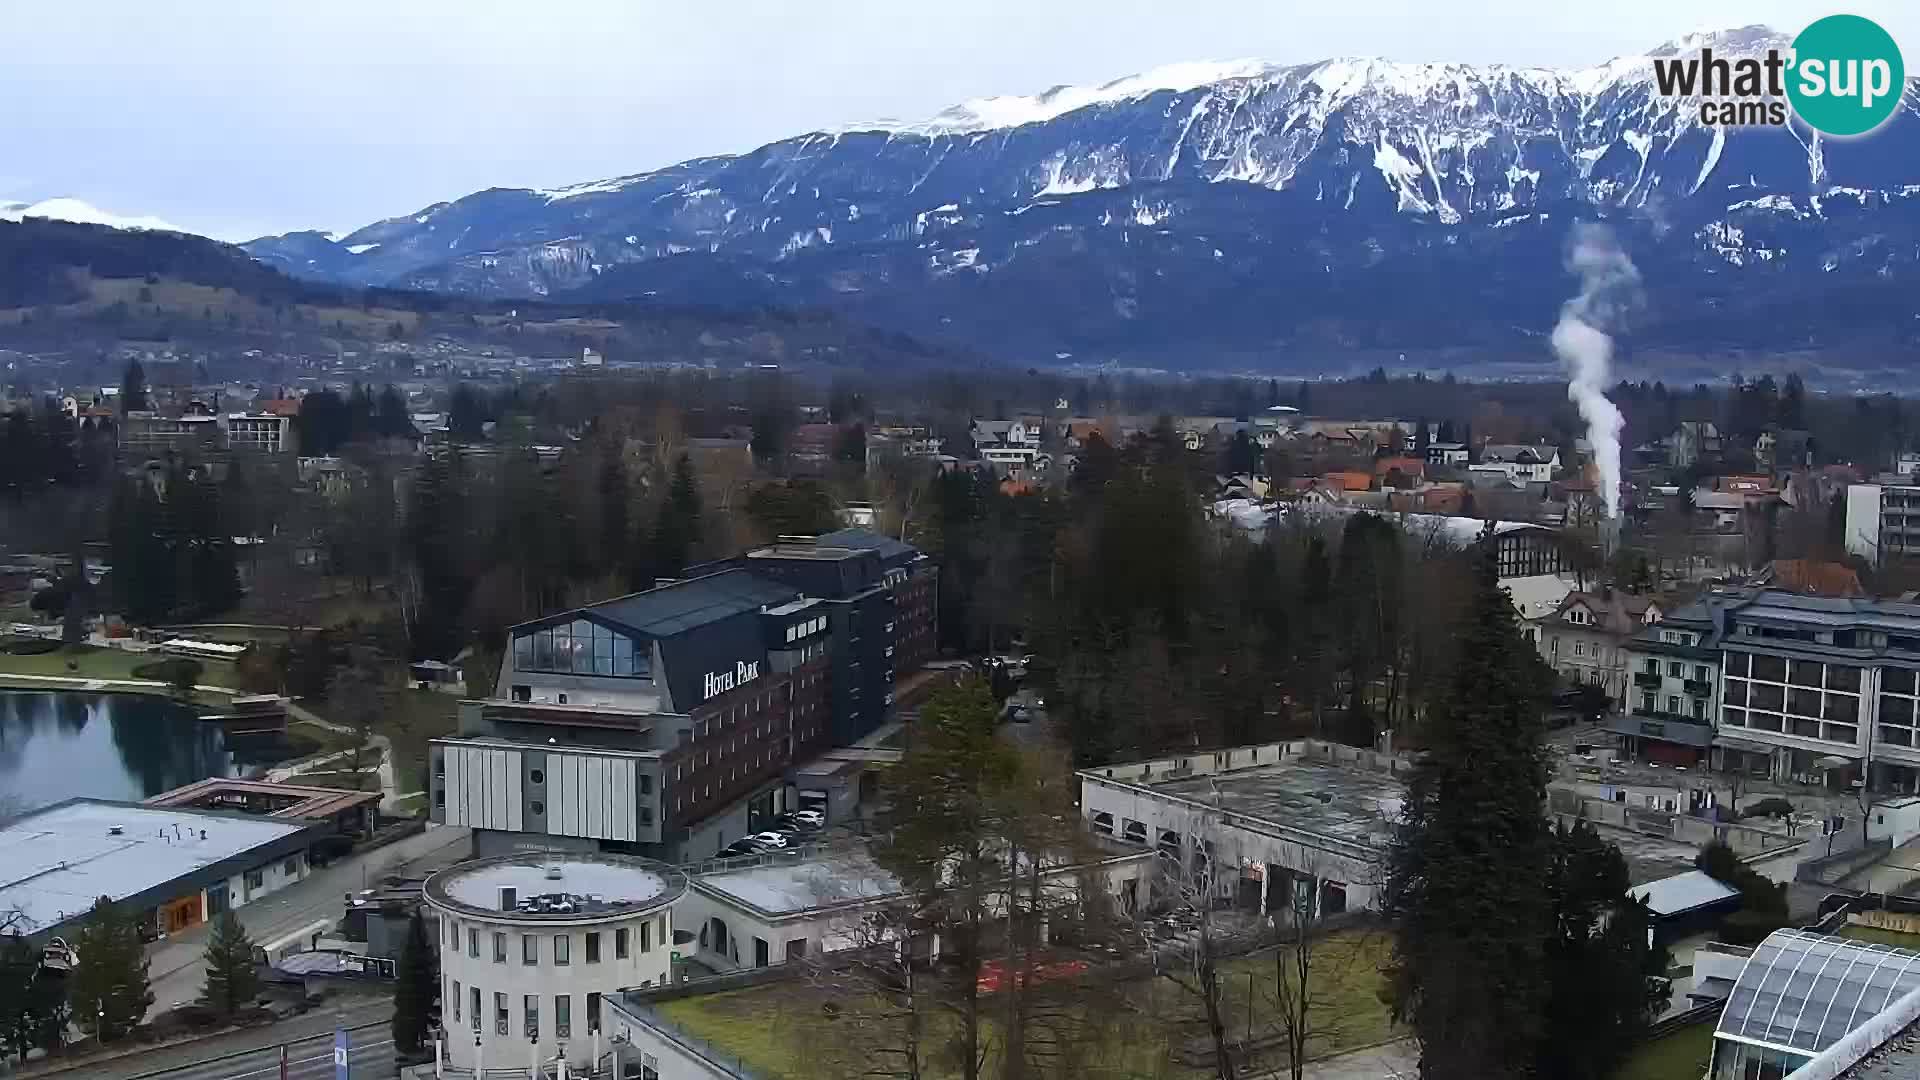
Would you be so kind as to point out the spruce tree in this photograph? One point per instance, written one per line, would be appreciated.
(1467, 875)
(133, 389)
(232, 979)
(1602, 972)
(418, 987)
(108, 987)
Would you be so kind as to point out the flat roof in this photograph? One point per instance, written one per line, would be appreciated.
(557, 886)
(1329, 800)
(1682, 892)
(778, 889)
(814, 552)
(55, 862)
(313, 802)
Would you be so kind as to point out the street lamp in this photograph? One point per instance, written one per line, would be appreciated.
(478, 1069)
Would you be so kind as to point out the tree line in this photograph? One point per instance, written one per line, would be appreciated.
(1154, 628)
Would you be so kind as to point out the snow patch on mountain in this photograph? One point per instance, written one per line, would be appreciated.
(83, 213)
(1011, 111)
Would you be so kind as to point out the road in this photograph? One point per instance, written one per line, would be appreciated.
(369, 1057)
(175, 972)
(254, 1054)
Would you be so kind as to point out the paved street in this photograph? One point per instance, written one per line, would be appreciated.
(254, 1054)
(175, 972)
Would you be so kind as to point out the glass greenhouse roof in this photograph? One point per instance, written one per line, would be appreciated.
(1804, 992)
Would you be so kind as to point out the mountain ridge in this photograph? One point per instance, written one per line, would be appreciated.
(902, 225)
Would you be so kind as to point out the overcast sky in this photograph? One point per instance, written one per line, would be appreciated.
(247, 117)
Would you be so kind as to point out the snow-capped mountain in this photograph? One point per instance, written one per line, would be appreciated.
(1359, 201)
(83, 213)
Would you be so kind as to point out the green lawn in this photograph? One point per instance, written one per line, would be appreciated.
(88, 662)
(1679, 1056)
(413, 718)
(339, 778)
(1878, 936)
(802, 1029)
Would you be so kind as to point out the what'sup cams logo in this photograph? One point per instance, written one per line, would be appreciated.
(1843, 76)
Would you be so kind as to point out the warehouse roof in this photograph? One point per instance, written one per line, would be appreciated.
(55, 862)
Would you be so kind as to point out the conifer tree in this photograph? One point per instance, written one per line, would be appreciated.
(1467, 875)
(108, 987)
(1602, 971)
(418, 987)
(232, 979)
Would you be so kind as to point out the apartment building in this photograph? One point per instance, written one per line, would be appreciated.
(260, 433)
(1673, 692)
(1883, 520)
(1822, 689)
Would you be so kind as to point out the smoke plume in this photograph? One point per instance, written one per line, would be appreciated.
(1609, 286)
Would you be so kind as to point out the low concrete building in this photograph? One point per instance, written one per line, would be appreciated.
(777, 908)
(172, 868)
(1278, 820)
(350, 813)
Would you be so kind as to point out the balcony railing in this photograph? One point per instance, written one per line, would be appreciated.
(1648, 679)
(1699, 688)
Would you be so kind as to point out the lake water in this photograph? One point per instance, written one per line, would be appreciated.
(60, 745)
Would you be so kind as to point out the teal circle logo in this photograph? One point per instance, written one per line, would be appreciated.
(1846, 76)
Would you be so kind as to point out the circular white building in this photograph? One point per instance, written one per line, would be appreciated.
(529, 943)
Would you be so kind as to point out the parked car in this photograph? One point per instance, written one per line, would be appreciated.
(809, 819)
(738, 848)
(770, 839)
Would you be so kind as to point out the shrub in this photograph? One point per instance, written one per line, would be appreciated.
(1749, 927)
(1773, 806)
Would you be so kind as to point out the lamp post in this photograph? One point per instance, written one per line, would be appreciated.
(478, 1066)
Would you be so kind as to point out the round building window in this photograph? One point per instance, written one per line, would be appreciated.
(539, 807)
(538, 777)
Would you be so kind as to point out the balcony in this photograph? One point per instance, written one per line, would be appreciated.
(1647, 680)
(1699, 687)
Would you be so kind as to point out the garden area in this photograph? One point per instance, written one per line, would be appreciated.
(1142, 1026)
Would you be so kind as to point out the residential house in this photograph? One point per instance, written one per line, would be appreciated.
(1412, 471)
(1811, 577)
(810, 447)
(1667, 714)
(1693, 442)
(1451, 454)
(1348, 481)
(1584, 638)
(1528, 464)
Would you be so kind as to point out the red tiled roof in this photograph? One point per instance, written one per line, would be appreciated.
(1815, 577)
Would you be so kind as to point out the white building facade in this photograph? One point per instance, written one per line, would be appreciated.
(530, 945)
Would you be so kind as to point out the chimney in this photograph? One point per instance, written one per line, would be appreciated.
(509, 898)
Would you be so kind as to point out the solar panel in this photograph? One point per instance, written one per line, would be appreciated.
(1805, 991)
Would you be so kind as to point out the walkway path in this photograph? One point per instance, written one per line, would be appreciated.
(1396, 1060)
